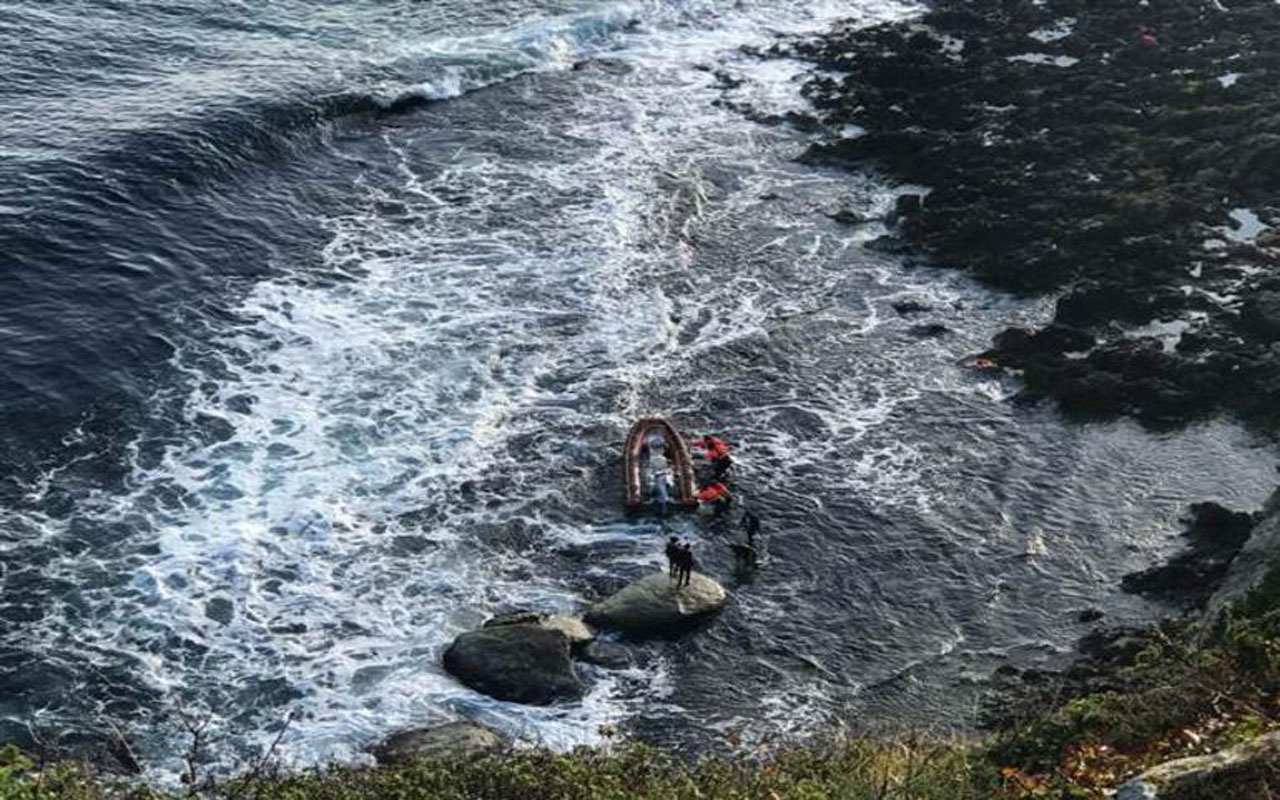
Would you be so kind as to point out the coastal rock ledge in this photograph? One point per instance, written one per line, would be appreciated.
(458, 739)
(1246, 771)
(519, 663)
(653, 603)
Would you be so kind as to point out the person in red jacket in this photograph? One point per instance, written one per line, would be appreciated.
(715, 494)
(716, 451)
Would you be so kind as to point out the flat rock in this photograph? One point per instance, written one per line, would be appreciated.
(519, 663)
(654, 603)
(574, 629)
(450, 740)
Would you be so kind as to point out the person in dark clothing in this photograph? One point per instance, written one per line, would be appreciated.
(673, 556)
(750, 524)
(684, 567)
(746, 555)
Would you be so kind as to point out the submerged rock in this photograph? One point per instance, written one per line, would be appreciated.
(929, 330)
(460, 739)
(847, 216)
(654, 603)
(609, 655)
(1090, 615)
(906, 307)
(520, 663)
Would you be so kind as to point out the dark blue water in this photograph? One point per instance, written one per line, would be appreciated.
(323, 325)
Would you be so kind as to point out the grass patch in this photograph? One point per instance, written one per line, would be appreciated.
(852, 769)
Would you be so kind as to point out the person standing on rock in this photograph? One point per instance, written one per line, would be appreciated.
(673, 556)
(684, 567)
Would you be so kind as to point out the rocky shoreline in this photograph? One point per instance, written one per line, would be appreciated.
(1126, 156)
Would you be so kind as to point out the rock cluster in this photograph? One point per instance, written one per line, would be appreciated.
(527, 657)
(1098, 149)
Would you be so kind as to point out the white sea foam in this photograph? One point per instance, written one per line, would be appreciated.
(1058, 30)
(1045, 58)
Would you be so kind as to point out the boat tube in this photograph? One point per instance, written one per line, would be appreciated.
(636, 462)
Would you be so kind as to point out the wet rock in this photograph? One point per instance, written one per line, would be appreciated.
(1260, 314)
(220, 609)
(1255, 558)
(848, 217)
(908, 307)
(519, 663)
(574, 629)
(930, 330)
(654, 604)
(609, 655)
(906, 204)
(451, 740)
(1215, 536)
(893, 245)
(1090, 615)
(1063, 339)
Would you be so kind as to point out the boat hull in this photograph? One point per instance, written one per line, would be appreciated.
(678, 454)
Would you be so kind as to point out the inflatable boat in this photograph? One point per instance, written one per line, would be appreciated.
(638, 469)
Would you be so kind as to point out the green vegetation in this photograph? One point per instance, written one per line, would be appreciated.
(853, 769)
(1190, 689)
(1183, 689)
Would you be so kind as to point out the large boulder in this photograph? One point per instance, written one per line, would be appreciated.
(1246, 771)
(655, 604)
(520, 663)
(1261, 553)
(574, 629)
(458, 739)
